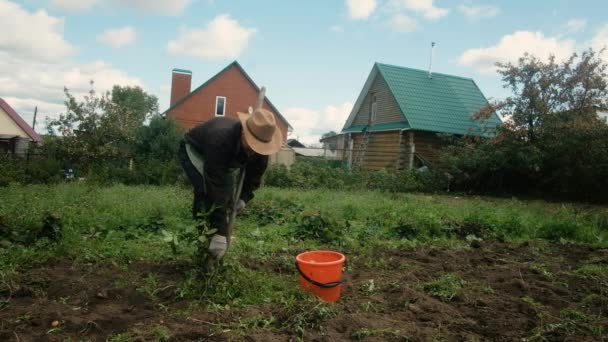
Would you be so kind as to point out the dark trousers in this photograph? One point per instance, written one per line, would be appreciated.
(197, 180)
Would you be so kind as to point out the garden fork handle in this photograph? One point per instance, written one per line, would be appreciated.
(234, 203)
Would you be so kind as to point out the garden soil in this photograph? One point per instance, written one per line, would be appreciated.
(509, 292)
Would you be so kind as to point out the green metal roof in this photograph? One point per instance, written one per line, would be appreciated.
(380, 127)
(442, 103)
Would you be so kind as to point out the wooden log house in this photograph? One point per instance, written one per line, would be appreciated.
(400, 113)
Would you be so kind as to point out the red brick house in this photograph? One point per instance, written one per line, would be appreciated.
(228, 92)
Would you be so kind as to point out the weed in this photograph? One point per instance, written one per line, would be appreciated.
(272, 212)
(257, 322)
(573, 315)
(24, 318)
(394, 334)
(150, 286)
(532, 302)
(542, 270)
(122, 337)
(318, 227)
(446, 288)
(369, 287)
(371, 307)
(155, 223)
(595, 270)
(406, 230)
(310, 314)
(160, 333)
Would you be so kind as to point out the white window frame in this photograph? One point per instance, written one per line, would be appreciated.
(224, 109)
(374, 110)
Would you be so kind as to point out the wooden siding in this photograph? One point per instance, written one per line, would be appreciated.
(382, 152)
(387, 108)
(428, 146)
(389, 150)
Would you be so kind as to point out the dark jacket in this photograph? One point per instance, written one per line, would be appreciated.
(219, 142)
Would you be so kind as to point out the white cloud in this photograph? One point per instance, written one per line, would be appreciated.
(513, 46)
(600, 39)
(402, 23)
(25, 108)
(479, 11)
(424, 7)
(118, 37)
(73, 5)
(170, 7)
(35, 65)
(30, 80)
(360, 9)
(28, 83)
(32, 34)
(310, 124)
(223, 37)
(576, 24)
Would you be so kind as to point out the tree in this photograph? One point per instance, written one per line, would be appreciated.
(157, 140)
(333, 145)
(328, 134)
(100, 127)
(127, 111)
(542, 88)
(553, 143)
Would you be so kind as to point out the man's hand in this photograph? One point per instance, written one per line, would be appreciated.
(240, 205)
(217, 247)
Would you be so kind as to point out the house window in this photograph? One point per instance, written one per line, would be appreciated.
(220, 106)
(374, 109)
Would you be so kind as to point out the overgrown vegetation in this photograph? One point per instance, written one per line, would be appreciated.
(552, 144)
(320, 174)
(114, 137)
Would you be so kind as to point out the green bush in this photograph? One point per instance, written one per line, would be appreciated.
(277, 176)
(316, 226)
(36, 170)
(307, 174)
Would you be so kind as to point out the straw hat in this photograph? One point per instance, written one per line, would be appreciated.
(260, 129)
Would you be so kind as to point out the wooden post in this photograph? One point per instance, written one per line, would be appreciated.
(412, 146)
(350, 151)
(399, 151)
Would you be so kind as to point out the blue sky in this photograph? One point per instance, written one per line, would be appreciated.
(313, 56)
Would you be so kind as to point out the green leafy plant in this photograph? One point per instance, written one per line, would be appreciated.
(446, 287)
(316, 226)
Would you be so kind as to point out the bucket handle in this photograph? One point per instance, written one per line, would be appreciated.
(314, 282)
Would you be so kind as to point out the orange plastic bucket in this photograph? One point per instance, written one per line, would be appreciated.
(321, 273)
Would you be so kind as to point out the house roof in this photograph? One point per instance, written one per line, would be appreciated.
(442, 103)
(19, 121)
(294, 143)
(237, 65)
(313, 152)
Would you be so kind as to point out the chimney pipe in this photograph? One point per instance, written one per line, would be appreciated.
(181, 82)
(431, 63)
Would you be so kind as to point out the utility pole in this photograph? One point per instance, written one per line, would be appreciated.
(34, 123)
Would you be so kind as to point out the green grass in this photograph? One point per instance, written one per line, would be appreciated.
(596, 270)
(121, 224)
